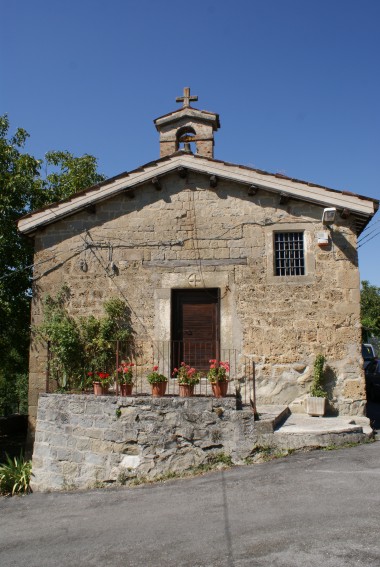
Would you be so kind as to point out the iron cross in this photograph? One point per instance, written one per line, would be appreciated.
(186, 98)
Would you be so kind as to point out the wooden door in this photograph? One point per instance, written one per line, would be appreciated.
(195, 327)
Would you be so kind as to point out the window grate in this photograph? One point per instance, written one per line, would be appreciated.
(289, 251)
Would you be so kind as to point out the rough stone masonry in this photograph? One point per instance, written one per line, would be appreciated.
(86, 441)
(188, 235)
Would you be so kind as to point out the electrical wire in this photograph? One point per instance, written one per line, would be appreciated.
(114, 282)
(24, 268)
(179, 242)
(367, 235)
(372, 237)
(370, 225)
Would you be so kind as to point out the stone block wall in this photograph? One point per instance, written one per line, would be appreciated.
(84, 440)
(188, 235)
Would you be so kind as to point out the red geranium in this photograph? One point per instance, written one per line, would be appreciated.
(125, 369)
(103, 375)
(186, 374)
(218, 371)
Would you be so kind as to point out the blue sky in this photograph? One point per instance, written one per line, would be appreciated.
(296, 83)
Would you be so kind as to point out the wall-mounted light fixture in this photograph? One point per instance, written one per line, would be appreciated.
(328, 216)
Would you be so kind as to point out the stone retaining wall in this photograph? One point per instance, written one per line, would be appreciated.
(84, 440)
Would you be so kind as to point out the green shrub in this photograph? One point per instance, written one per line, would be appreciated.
(317, 389)
(15, 476)
(84, 345)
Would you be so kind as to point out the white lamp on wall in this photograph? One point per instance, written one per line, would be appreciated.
(328, 216)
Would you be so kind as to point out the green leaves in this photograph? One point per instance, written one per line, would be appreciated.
(317, 389)
(370, 308)
(83, 345)
(13, 394)
(18, 172)
(26, 184)
(15, 476)
(69, 174)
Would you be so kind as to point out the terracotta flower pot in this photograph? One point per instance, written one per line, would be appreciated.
(158, 389)
(100, 389)
(186, 390)
(219, 389)
(126, 389)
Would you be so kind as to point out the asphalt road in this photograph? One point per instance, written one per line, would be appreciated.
(311, 510)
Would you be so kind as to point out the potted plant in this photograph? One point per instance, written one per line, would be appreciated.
(316, 402)
(218, 377)
(125, 377)
(187, 377)
(158, 382)
(101, 382)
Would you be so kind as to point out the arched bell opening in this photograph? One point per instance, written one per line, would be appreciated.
(185, 140)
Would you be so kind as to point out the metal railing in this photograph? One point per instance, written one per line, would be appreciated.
(168, 355)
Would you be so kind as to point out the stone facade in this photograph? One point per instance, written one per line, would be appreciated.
(186, 235)
(187, 221)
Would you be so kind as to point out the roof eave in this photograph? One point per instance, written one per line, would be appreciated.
(363, 207)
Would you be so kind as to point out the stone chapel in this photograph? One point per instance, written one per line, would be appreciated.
(217, 253)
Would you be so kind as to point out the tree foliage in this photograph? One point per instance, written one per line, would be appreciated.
(26, 184)
(370, 309)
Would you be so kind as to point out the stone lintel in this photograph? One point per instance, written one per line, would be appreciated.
(186, 263)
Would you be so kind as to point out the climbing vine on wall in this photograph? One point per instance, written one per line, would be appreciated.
(85, 344)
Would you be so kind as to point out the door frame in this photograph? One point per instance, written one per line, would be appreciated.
(178, 291)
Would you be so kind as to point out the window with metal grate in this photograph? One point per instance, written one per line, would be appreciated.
(289, 254)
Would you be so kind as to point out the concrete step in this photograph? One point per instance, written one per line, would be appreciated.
(301, 430)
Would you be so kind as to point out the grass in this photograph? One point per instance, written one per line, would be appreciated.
(263, 454)
(15, 476)
(214, 462)
(347, 445)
